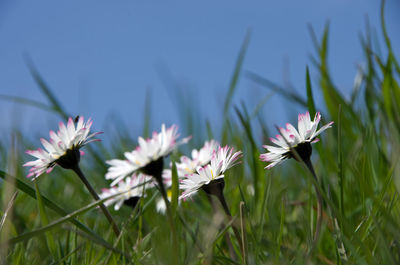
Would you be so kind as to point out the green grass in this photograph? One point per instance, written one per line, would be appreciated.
(357, 162)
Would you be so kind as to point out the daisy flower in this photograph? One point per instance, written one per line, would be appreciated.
(212, 173)
(189, 165)
(203, 156)
(148, 155)
(132, 188)
(63, 147)
(186, 166)
(300, 140)
(210, 178)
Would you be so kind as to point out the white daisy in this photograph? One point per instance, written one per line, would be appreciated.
(300, 140)
(222, 160)
(132, 187)
(188, 165)
(148, 152)
(226, 158)
(63, 147)
(203, 156)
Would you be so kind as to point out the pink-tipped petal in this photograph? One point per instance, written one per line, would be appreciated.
(316, 140)
(70, 121)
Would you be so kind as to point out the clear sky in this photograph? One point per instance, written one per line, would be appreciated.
(100, 57)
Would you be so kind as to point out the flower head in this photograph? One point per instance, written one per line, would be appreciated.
(300, 140)
(203, 156)
(222, 159)
(147, 155)
(186, 166)
(63, 147)
(189, 165)
(132, 188)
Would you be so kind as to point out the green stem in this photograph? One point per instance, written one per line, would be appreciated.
(169, 216)
(228, 213)
(107, 214)
(319, 204)
(220, 195)
(227, 238)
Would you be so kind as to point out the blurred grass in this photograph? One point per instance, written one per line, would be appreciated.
(357, 162)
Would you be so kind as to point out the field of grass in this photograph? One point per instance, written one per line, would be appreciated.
(54, 220)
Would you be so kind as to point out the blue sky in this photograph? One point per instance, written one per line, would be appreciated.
(100, 57)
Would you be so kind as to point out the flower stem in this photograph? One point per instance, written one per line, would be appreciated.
(319, 203)
(227, 238)
(228, 213)
(220, 195)
(107, 214)
(161, 187)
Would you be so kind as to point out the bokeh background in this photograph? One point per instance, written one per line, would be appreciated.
(101, 58)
